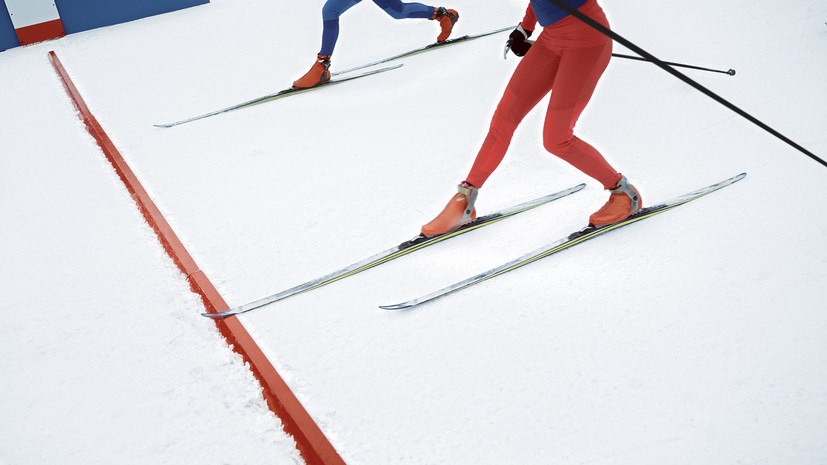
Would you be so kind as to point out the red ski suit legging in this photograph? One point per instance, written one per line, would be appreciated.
(567, 60)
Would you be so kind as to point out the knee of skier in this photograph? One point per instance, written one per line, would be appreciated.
(558, 146)
(503, 125)
(506, 117)
(331, 11)
(395, 11)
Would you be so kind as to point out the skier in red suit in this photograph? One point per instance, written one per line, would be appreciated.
(567, 60)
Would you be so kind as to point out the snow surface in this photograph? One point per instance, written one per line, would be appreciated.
(105, 357)
(694, 337)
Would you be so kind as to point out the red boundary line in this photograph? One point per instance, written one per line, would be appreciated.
(312, 443)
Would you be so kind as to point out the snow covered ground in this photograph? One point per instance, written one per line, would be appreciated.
(105, 357)
(694, 337)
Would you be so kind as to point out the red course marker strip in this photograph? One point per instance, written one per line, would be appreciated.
(312, 443)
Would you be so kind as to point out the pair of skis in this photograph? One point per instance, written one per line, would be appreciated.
(421, 242)
(339, 80)
(405, 248)
(278, 95)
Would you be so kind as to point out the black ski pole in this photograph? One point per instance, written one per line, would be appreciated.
(631, 46)
(730, 72)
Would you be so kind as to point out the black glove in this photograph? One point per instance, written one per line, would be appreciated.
(517, 41)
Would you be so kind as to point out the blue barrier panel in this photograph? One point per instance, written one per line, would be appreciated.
(82, 15)
(8, 38)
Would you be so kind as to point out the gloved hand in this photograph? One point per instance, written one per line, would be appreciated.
(517, 41)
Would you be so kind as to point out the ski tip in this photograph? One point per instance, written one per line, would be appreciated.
(168, 125)
(401, 306)
(216, 316)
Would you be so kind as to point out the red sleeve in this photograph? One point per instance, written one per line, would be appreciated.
(530, 19)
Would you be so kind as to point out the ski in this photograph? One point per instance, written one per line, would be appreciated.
(427, 48)
(573, 239)
(281, 94)
(417, 243)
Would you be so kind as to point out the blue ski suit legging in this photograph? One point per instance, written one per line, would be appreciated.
(332, 9)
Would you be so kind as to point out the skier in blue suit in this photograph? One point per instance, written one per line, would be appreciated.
(331, 11)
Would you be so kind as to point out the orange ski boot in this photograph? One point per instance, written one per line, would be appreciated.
(319, 73)
(624, 201)
(447, 19)
(459, 211)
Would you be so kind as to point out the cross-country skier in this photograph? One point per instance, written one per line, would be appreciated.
(567, 60)
(320, 71)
